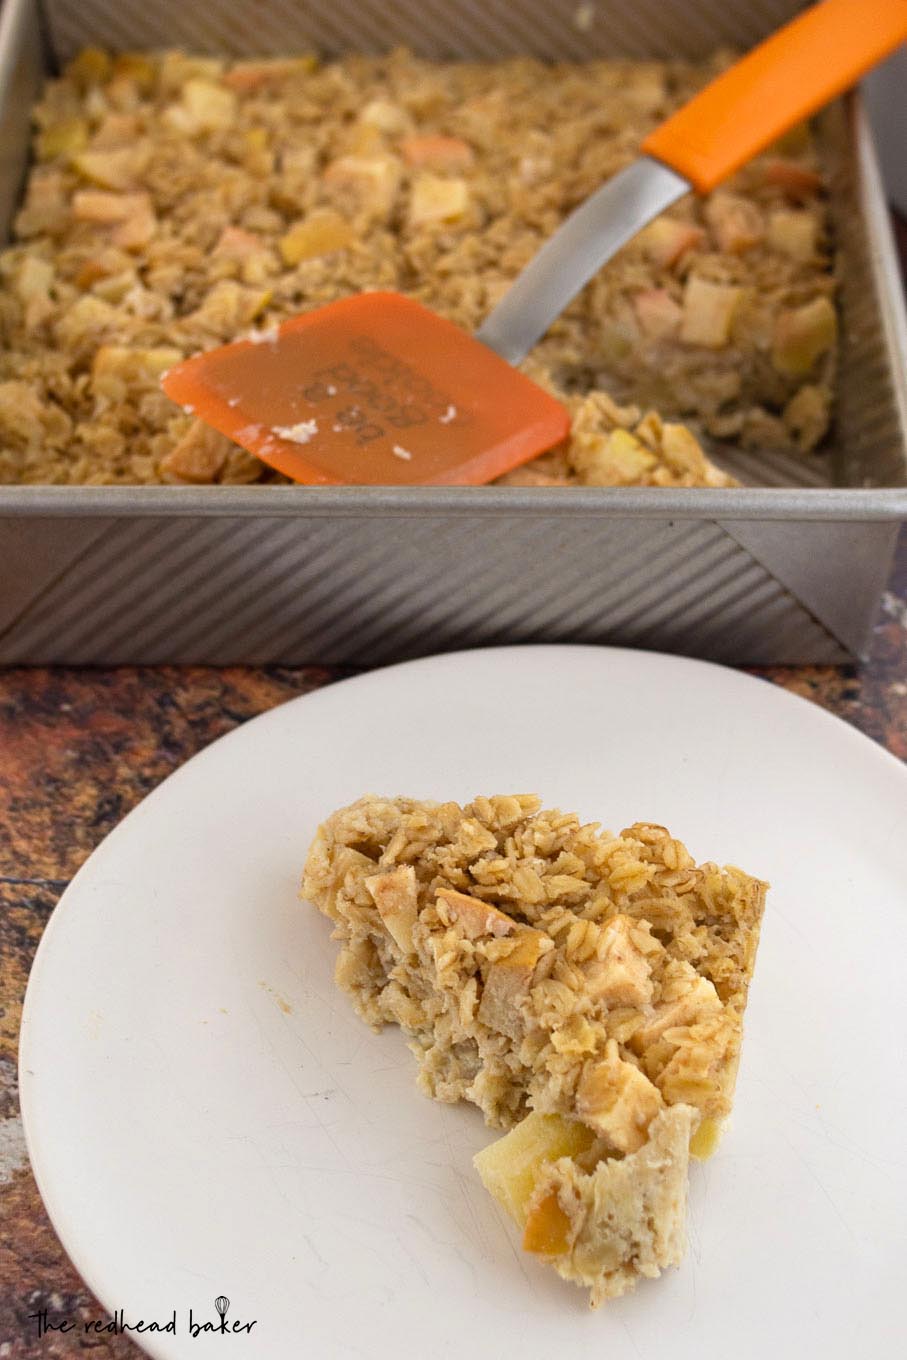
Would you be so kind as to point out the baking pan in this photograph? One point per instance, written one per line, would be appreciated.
(763, 574)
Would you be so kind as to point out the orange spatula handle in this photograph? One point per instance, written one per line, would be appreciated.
(789, 76)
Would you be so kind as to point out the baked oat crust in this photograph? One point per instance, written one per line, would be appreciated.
(582, 989)
(176, 202)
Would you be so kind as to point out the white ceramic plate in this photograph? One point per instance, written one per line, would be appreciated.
(206, 1116)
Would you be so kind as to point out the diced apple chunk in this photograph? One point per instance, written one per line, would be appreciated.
(321, 234)
(510, 1167)
(246, 77)
(386, 116)
(614, 459)
(793, 231)
(117, 130)
(706, 1138)
(114, 287)
(696, 1001)
(433, 152)
(574, 1037)
(625, 454)
(177, 68)
(684, 454)
(117, 169)
(198, 458)
(153, 361)
(86, 320)
(236, 244)
(626, 1214)
(434, 199)
(736, 222)
(229, 306)
(475, 917)
(622, 976)
(797, 181)
(708, 312)
(807, 413)
(46, 207)
(372, 181)
(547, 1231)
(395, 895)
(666, 240)
(33, 278)
(802, 335)
(508, 982)
(659, 316)
(64, 138)
(617, 1100)
(134, 66)
(116, 369)
(209, 106)
(94, 205)
(136, 230)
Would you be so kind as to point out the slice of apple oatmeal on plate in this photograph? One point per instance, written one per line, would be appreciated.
(586, 991)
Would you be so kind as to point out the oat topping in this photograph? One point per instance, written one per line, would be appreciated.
(585, 990)
(179, 202)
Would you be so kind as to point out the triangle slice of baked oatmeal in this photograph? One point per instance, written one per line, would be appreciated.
(585, 990)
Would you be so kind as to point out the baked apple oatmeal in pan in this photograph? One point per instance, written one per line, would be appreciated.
(177, 202)
(586, 991)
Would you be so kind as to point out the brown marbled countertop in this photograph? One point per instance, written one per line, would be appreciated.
(79, 748)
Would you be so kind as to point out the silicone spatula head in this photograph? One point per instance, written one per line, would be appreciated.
(371, 390)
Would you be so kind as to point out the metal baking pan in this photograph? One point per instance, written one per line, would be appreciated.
(366, 575)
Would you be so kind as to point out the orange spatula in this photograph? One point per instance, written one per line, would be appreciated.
(372, 389)
(376, 389)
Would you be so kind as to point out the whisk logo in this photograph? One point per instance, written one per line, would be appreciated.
(222, 1304)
